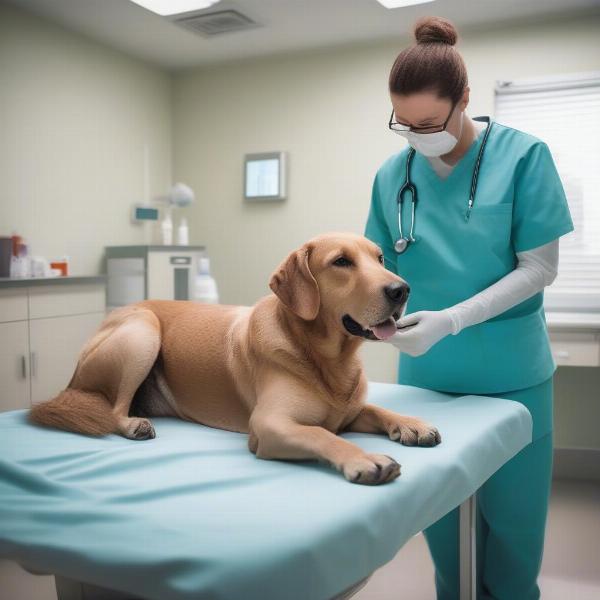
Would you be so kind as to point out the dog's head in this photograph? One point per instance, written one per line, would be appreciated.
(341, 277)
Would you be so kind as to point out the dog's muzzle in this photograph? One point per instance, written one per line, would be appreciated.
(386, 325)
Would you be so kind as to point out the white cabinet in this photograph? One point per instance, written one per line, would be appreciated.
(138, 273)
(42, 330)
(575, 338)
(575, 348)
(14, 366)
(55, 345)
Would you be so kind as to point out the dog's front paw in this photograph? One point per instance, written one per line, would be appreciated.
(371, 469)
(414, 432)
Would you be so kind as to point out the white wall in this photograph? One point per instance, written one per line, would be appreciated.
(329, 110)
(75, 116)
(74, 119)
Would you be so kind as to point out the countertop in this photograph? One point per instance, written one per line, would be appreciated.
(585, 321)
(12, 282)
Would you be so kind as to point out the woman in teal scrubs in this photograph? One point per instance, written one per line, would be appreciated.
(475, 321)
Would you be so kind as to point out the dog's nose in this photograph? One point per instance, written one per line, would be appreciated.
(397, 292)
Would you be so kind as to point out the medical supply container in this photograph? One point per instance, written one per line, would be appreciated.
(205, 289)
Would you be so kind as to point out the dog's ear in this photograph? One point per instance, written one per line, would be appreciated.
(294, 284)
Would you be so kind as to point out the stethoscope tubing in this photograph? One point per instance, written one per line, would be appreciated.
(403, 242)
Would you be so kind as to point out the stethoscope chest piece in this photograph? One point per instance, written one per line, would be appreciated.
(401, 245)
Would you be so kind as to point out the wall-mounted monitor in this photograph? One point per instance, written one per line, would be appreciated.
(264, 176)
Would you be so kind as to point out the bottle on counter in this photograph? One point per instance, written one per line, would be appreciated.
(166, 228)
(40, 267)
(20, 265)
(61, 265)
(205, 288)
(183, 234)
(17, 240)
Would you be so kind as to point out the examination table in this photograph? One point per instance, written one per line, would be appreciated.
(193, 514)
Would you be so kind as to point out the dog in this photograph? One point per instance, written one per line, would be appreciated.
(286, 370)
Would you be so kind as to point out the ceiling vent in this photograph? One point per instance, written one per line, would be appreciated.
(216, 23)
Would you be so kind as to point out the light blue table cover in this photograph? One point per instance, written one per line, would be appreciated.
(193, 514)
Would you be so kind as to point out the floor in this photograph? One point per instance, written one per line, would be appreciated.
(570, 566)
(570, 569)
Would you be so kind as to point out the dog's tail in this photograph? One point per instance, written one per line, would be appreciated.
(76, 410)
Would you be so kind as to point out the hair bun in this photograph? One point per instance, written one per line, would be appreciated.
(435, 29)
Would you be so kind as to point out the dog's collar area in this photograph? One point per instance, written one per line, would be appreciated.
(354, 328)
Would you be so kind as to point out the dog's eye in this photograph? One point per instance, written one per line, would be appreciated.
(380, 257)
(342, 261)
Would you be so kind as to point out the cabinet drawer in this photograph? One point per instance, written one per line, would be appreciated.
(63, 300)
(578, 349)
(13, 305)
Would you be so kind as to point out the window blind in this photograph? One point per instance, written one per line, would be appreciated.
(564, 112)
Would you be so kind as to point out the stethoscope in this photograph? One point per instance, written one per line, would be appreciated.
(403, 242)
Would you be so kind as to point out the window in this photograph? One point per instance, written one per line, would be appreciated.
(564, 112)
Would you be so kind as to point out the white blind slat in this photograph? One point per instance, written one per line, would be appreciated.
(565, 113)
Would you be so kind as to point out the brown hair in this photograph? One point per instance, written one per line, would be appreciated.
(431, 63)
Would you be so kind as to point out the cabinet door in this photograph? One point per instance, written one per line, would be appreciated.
(55, 344)
(171, 274)
(575, 348)
(14, 366)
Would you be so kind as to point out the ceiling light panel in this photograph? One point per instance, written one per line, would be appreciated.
(174, 7)
(401, 3)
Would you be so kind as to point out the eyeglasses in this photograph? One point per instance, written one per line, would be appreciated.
(402, 127)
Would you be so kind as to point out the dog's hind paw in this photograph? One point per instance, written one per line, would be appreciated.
(138, 428)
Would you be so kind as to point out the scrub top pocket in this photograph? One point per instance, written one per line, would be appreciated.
(491, 226)
(491, 209)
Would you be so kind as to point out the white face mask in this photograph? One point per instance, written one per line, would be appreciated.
(431, 144)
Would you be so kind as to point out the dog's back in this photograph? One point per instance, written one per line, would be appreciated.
(200, 362)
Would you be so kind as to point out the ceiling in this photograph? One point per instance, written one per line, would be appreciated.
(288, 25)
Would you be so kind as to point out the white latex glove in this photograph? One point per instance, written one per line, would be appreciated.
(535, 269)
(423, 329)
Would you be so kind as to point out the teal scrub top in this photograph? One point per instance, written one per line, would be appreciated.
(519, 205)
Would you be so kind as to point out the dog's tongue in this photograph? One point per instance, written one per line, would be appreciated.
(385, 330)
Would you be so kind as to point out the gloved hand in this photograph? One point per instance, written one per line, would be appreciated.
(424, 329)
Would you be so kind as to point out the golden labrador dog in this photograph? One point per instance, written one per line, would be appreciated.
(286, 370)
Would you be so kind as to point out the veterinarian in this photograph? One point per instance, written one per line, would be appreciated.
(477, 245)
